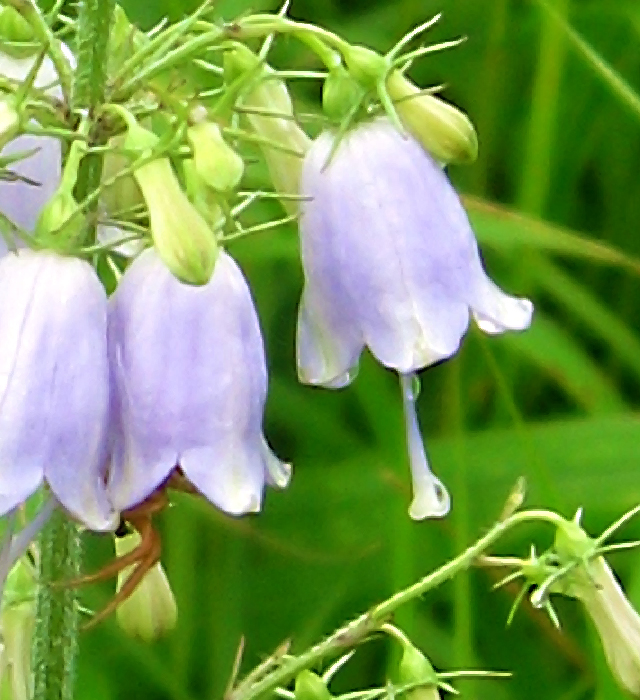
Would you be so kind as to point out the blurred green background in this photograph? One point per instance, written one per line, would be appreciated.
(555, 200)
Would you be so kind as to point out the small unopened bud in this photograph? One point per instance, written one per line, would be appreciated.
(442, 129)
(17, 620)
(595, 585)
(151, 609)
(414, 667)
(184, 241)
(60, 225)
(14, 28)
(269, 111)
(217, 164)
(366, 65)
(309, 686)
(340, 93)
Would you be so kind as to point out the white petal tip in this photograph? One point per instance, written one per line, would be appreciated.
(431, 502)
(512, 314)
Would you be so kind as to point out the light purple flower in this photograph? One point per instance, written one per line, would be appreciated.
(54, 384)
(36, 177)
(390, 263)
(190, 384)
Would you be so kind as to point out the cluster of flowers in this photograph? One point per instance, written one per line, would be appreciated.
(103, 398)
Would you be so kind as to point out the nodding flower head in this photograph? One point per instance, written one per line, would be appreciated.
(190, 383)
(390, 263)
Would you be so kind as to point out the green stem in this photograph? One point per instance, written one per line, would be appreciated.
(56, 632)
(94, 25)
(56, 635)
(357, 630)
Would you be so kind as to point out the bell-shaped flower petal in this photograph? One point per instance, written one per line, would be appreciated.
(190, 385)
(54, 384)
(389, 257)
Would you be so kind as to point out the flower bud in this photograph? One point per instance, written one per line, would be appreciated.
(217, 164)
(367, 66)
(340, 94)
(181, 236)
(595, 585)
(151, 609)
(14, 28)
(414, 667)
(443, 130)
(60, 224)
(309, 686)
(17, 619)
(277, 124)
(124, 194)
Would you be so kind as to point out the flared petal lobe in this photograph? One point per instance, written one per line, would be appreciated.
(390, 259)
(189, 372)
(54, 383)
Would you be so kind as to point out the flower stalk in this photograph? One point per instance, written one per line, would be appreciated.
(371, 621)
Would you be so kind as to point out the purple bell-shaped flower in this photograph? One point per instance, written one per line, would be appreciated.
(390, 263)
(54, 384)
(190, 383)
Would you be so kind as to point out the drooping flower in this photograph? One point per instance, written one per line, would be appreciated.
(390, 263)
(54, 384)
(190, 384)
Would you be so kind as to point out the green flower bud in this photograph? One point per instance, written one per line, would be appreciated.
(151, 609)
(60, 225)
(124, 194)
(181, 236)
(17, 620)
(414, 667)
(215, 161)
(14, 28)
(309, 686)
(340, 94)
(442, 129)
(276, 124)
(368, 67)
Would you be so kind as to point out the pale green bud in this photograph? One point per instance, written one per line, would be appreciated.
(182, 238)
(14, 28)
(215, 161)
(276, 125)
(414, 667)
(340, 93)
(309, 686)
(124, 194)
(17, 620)
(442, 129)
(151, 609)
(60, 225)
(367, 66)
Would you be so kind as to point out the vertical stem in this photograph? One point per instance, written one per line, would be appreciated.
(56, 633)
(94, 25)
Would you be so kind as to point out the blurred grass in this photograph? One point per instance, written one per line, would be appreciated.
(555, 199)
